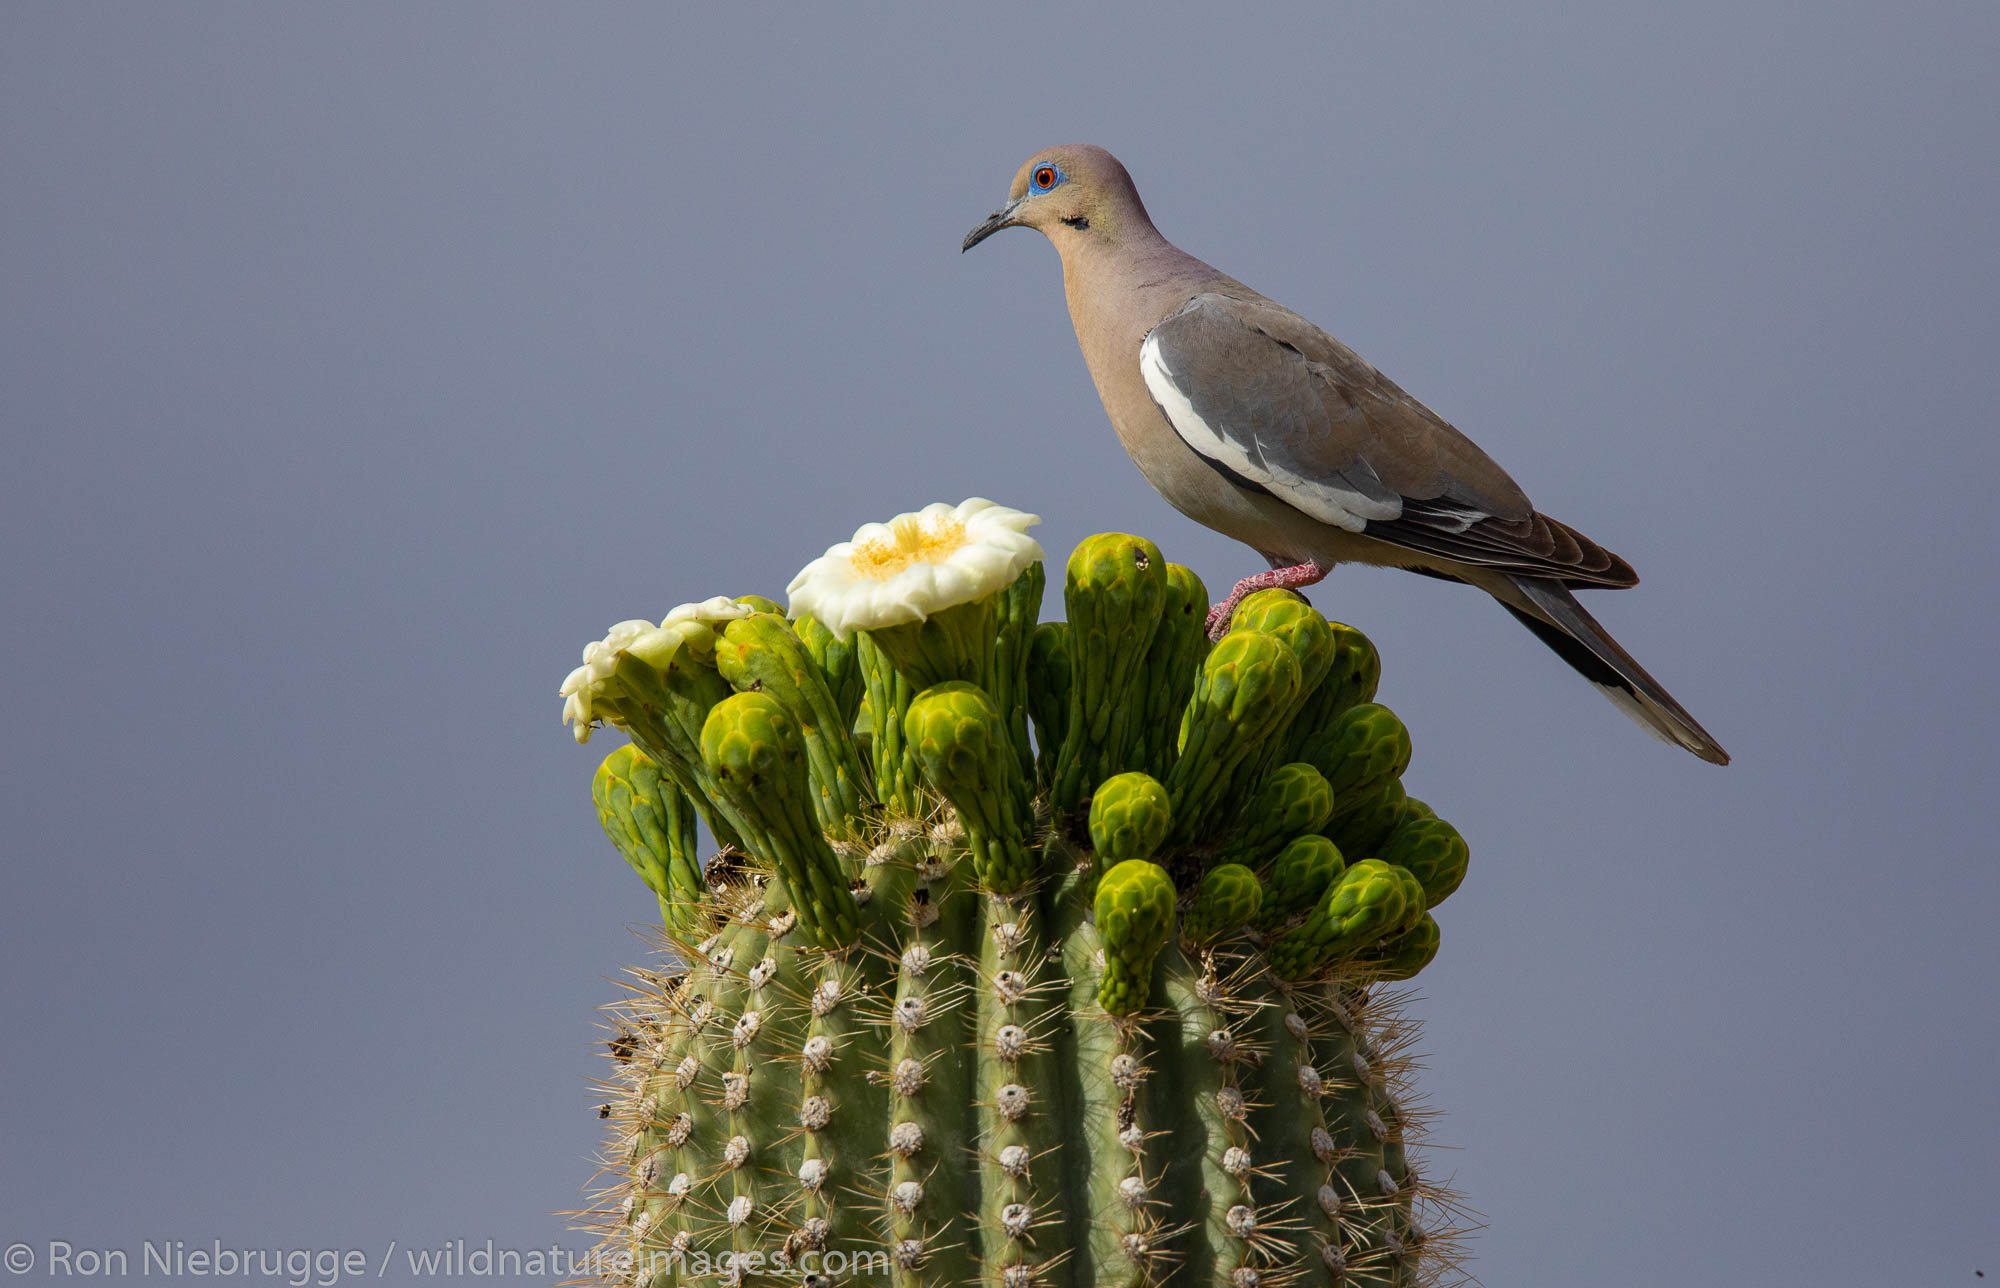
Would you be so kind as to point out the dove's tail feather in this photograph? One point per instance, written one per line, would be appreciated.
(1561, 623)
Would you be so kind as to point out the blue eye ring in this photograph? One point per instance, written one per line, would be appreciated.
(1045, 176)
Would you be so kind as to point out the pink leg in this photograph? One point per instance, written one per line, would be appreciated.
(1291, 578)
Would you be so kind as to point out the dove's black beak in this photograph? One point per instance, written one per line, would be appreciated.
(1001, 218)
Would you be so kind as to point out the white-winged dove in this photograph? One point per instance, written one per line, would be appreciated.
(1253, 421)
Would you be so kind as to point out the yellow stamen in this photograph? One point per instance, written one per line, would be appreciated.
(913, 540)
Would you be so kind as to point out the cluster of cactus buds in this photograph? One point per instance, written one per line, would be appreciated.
(1030, 953)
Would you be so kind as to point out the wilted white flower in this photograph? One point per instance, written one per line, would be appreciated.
(716, 611)
(915, 565)
(583, 688)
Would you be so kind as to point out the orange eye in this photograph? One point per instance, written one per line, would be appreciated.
(1045, 178)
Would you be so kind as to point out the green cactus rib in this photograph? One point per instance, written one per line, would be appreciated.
(929, 1187)
(1215, 1122)
(1115, 590)
(1365, 1199)
(1289, 1125)
(1018, 608)
(959, 736)
(1108, 1055)
(756, 756)
(841, 1144)
(753, 1100)
(1021, 1104)
(1048, 695)
(761, 654)
(679, 1130)
(1247, 681)
(652, 823)
(912, 1020)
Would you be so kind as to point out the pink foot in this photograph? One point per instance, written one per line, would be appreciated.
(1291, 578)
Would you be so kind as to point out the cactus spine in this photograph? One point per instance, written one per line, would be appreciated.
(1099, 1006)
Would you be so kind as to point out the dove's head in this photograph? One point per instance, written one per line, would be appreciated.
(1072, 192)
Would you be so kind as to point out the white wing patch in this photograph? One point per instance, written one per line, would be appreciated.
(1326, 501)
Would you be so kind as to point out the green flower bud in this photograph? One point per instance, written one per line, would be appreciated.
(1129, 818)
(760, 653)
(1225, 902)
(1286, 614)
(1172, 662)
(1290, 801)
(756, 757)
(960, 738)
(1115, 590)
(1351, 677)
(1361, 750)
(1402, 957)
(652, 823)
(1371, 901)
(761, 604)
(1356, 667)
(1247, 681)
(1433, 851)
(658, 684)
(1135, 916)
(1298, 878)
(1361, 827)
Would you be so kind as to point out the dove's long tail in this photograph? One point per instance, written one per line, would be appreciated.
(1552, 613)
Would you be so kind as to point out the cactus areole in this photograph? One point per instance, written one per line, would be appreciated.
(1032, 953)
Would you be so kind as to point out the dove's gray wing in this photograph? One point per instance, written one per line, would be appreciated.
(1279, 406)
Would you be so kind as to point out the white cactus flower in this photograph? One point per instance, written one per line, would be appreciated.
(915, 565)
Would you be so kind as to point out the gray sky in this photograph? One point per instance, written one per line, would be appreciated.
(359, 362)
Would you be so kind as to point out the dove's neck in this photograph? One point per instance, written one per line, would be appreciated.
(1120, 290)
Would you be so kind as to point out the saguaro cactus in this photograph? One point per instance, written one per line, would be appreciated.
(956, 1005)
